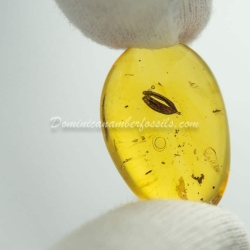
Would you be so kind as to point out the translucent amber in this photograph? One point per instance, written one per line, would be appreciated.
(166, 125)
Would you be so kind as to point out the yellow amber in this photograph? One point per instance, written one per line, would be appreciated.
(166, 125)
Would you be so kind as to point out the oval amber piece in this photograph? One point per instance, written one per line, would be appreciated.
(166, 125)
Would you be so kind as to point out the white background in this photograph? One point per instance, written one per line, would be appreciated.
(53, 182)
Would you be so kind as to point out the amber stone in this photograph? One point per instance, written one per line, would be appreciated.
(165, 125)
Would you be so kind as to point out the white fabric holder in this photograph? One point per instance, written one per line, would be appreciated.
(161, 225)
(138, 23)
